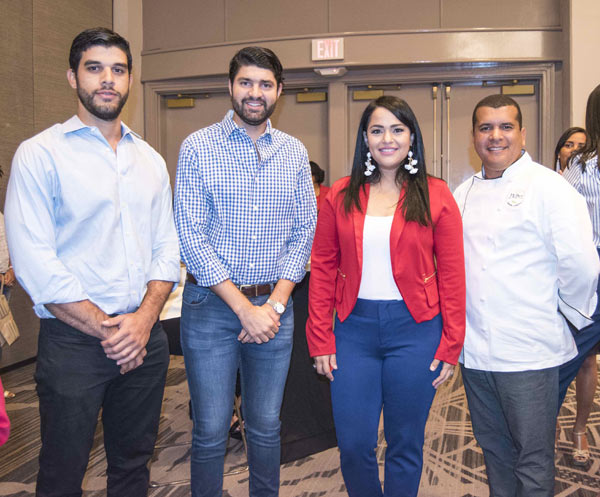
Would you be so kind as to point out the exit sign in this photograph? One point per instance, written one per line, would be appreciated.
(328, 49)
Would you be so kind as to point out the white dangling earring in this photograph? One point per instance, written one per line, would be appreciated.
(369, 165)
(411, 163)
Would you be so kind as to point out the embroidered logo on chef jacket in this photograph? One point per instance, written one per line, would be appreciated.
(515, 198)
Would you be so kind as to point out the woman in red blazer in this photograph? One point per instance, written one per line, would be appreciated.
(388, 257)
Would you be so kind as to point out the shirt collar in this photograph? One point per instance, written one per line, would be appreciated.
(511, 170)
(229, 126)
(75, 124)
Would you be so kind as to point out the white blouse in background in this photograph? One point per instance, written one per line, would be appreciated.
(377, 281)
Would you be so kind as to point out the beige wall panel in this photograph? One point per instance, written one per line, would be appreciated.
(261, 19)
(585, 70)
(16, 123)
(382, 15)
(182, 23)
(504, 14)
(371, 50)
(55, 24)
(16, 81)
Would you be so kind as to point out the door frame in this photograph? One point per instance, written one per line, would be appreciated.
(544, 73)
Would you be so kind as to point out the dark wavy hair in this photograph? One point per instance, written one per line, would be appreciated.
(592, 126)
(563, 139)
(415, 192)
(259, 57)
(97, 36)
(317, 172)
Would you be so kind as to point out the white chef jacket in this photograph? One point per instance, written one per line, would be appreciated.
(528, 245)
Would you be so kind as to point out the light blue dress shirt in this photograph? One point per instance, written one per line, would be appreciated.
(86, 222)
(244, 211)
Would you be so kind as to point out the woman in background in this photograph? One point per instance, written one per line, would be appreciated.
(584, 174)
(569, 144)
(388, 256)
(318, 176)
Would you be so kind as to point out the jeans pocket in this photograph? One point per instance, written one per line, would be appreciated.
(194, 296)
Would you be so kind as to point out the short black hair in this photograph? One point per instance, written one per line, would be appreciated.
(256, 56)
(316, 172)
(97, 36)
(495, 102)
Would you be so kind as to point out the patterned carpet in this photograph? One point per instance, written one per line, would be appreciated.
(453, 462)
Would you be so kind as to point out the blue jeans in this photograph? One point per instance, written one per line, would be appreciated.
(213, 354)
(383, 359)
(514, 420)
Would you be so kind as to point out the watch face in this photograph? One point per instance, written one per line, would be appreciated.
(278, 306)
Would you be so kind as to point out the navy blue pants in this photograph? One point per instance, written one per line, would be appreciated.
(74, 381)
(383, 359)
(586, 340)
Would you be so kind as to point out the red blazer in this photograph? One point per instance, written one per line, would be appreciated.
(323, 190)
(427, 262)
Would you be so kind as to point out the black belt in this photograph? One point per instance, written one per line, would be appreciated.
(247, 290)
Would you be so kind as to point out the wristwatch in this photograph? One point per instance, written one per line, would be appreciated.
(278, 306)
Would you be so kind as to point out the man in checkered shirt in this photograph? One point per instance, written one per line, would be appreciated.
(245, 213)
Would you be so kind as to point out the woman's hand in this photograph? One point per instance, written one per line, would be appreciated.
(445, 374)
(325, 364)
(9, 277)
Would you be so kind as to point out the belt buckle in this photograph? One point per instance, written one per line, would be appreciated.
(243, 287)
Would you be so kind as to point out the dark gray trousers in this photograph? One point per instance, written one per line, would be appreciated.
(514, 420)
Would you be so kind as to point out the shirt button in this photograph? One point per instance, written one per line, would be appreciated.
(483, 268)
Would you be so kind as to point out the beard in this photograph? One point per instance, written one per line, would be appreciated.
(253, 119)
(106, 112)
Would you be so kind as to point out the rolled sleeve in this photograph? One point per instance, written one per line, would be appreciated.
(191, 220)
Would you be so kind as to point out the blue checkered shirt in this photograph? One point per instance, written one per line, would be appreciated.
(244, 212)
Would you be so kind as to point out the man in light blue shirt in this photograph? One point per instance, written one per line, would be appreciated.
(89, 224)
(245, 211)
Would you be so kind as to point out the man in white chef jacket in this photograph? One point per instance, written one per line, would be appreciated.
(530, 261)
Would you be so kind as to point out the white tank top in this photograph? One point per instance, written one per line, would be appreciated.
(377, 280)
